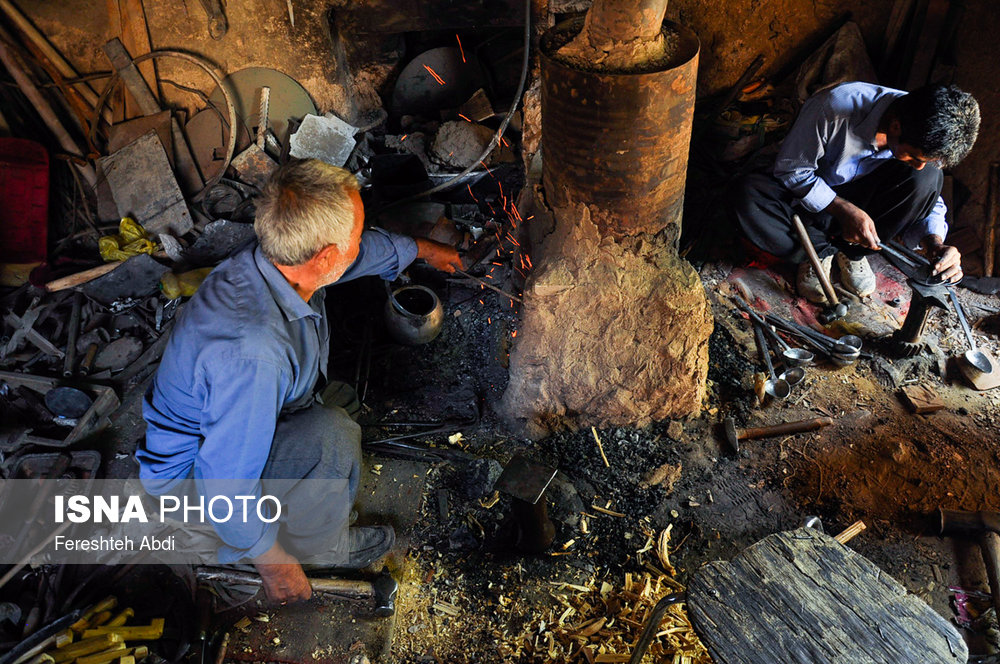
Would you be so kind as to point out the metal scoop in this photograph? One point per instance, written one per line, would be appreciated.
(793, 376)
(774, 386)
(975, 358)
(792, 356)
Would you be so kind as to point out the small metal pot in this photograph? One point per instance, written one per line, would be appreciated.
(413, 315)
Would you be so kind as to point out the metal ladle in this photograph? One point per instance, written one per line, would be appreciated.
(976, 358)
(776, 387)
(793, 357)
(793, 375)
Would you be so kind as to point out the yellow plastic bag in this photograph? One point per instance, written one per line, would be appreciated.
(131, 240)
(184, 284)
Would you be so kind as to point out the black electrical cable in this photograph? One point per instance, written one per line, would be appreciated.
(448, 184)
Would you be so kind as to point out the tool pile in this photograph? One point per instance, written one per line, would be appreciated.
(96, 635)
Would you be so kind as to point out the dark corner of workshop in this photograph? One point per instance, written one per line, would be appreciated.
(499, 332)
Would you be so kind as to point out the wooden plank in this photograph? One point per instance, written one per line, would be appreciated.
(801, 597)
(992, 220)
(927, 43)
(921, 399)
(135, 37)
(894, 30)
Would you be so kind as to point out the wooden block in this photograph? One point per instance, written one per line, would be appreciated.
(800, 596)
(921, 399)
(980, 381)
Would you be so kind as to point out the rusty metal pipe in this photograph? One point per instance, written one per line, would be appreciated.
(624, 20)
(618, 142)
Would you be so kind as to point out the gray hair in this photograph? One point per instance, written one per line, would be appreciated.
(305, 206)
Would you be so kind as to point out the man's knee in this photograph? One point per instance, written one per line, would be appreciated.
(317, 442)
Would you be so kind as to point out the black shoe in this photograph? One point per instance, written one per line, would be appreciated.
(368, 544)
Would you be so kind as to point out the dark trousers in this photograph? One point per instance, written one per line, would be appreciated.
(894, 195)
(312, 446)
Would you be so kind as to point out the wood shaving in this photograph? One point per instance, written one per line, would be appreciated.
(608, 620)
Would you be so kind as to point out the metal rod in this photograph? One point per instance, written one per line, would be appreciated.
(489, 285)
(74, 330)
(653, 623)
(961, 318)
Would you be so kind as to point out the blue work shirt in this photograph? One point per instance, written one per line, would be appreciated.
(246, 347)
(832, 142)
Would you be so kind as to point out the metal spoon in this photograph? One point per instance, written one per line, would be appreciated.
(976, 358)
(792, 356)
(793, 375)
(776, 387)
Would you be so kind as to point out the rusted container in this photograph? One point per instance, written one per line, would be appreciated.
(619, 141)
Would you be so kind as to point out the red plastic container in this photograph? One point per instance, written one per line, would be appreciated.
(24, 201)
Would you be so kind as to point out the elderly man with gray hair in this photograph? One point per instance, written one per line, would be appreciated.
(234, 404)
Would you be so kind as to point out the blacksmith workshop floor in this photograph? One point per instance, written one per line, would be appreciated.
(466, 598)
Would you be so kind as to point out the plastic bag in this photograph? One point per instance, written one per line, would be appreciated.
(184, 284)
(131, 240)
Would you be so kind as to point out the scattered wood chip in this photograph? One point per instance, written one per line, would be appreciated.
(600, 448)
(604, 510)
(446, 608)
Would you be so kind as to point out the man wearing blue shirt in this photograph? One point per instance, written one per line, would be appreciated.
(861, 162)
(233, 404)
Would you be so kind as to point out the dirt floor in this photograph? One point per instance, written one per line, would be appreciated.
(467, 598)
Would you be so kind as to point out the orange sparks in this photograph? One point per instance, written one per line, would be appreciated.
(480, 302)
(435, 75)
(514, 333)
(464, 118)
(503, 142)
(488, 320)
(403, 138)
(528, 258)
(460, 49)
(471, 194)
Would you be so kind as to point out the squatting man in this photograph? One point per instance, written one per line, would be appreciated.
(239, 398)
(861, 163)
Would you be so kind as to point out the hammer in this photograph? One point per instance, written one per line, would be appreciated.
(734, 435)
(383, 589)
(835, 309)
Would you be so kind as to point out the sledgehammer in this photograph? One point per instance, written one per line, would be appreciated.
(986, 525)
(734, 435)
(835, 308)
(383, 589)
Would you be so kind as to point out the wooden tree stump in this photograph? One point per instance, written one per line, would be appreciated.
(802, 597)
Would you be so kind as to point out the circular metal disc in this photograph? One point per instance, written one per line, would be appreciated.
(288, 99)
(67, 402)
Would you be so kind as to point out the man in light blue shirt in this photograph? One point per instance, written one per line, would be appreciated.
(233, 404)
(861, 163)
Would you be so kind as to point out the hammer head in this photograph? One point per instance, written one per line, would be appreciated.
(832, 313)
(732, 436)
(386, 588)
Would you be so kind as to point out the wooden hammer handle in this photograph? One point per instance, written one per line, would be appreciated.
(786, 428)
(824, 279)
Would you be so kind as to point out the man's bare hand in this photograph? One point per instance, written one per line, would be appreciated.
(284, 580)
(855, 224)
(439, 256)
(947, 259)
